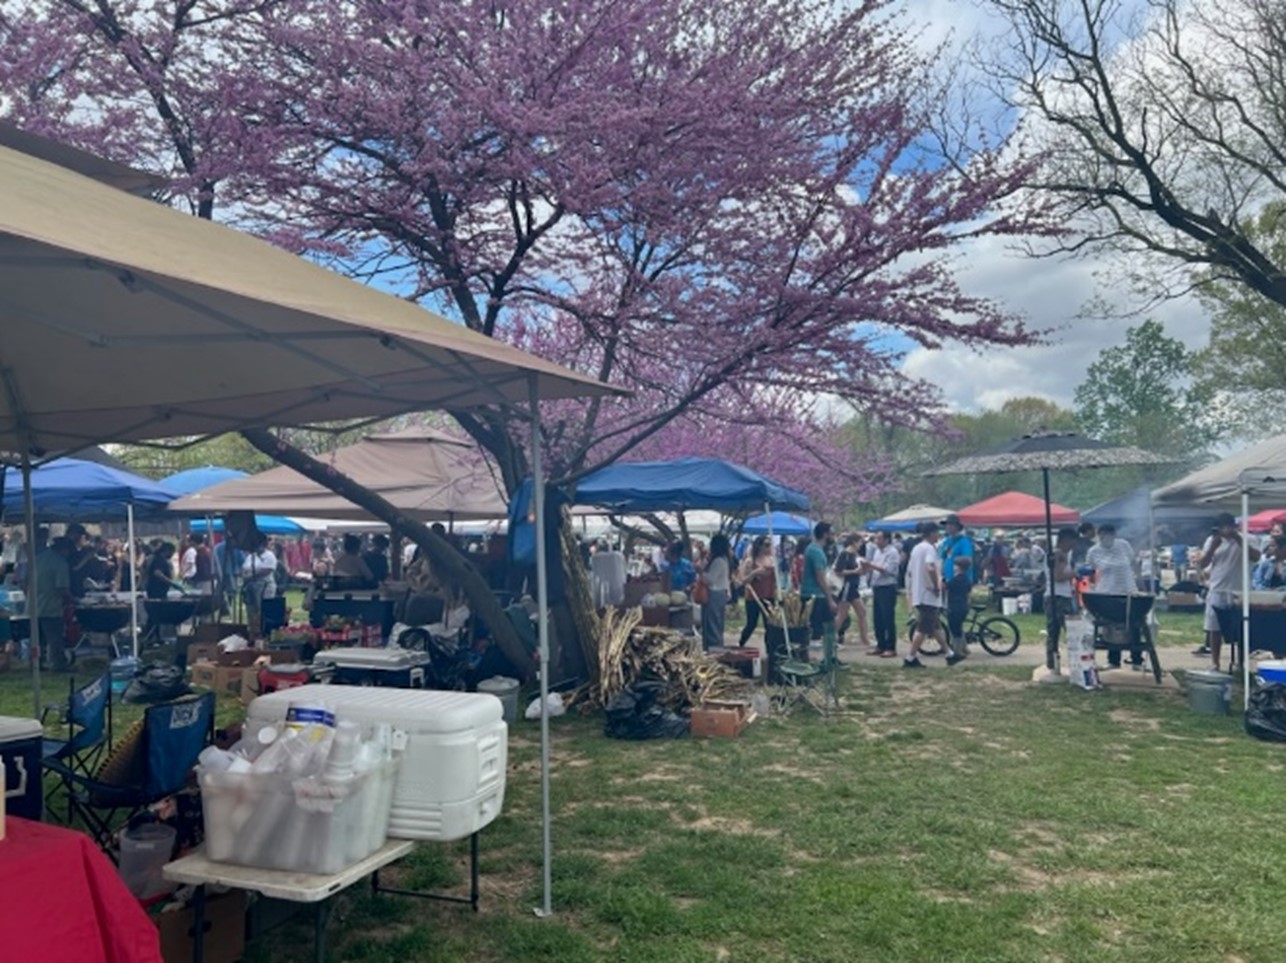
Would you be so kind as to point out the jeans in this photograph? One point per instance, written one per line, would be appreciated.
(712, 616)
(884, 601)
(754, 612)
(955, 629)
(53, 642)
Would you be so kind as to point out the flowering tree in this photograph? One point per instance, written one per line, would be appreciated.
(734, 209)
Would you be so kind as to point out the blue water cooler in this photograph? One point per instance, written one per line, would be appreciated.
(20, 748)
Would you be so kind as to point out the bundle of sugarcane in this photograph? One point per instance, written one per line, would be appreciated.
(690, 675)
(790, 605)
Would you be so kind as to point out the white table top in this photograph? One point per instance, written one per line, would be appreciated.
(195, 870)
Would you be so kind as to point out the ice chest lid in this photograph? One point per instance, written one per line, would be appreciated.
(13, 728)
(415, 710)
(373, 658)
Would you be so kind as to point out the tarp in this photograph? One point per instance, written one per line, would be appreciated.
(779, 523)
(268, 524)
(427, 474)
(645, 486)
(907, 519)
(1015, 510)
(1129, 513)
(68, 489)
(1218, 486)
(125, 320)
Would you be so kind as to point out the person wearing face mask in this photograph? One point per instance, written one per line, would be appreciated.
(1113, 562)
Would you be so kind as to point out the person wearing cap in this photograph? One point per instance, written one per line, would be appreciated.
(1221, 563)
(924, 591)
(955, 545)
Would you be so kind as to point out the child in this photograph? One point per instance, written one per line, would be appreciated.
(958, 588)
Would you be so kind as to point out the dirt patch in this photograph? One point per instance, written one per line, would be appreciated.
(729, 824)
(938, 896)
(795, 772)
(1135, 721)
(615, 857)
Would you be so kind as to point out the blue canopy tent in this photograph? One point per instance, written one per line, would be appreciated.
(69, 489)
(696, 483)
(199, 479)
(777, 523)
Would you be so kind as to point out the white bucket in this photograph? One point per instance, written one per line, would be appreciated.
(1009, 606)
(506, 690)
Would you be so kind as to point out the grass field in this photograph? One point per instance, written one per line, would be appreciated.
(952, 816)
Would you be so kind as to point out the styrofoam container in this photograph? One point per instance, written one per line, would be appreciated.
(451, 781)
(274, 821)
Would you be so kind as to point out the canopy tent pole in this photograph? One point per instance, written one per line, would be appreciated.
(133, 577)
(1051, 600)
(33, 589)
(1245, 596)
(542, 622)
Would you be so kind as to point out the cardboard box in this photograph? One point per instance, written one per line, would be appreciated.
(218, 631)
(249, 685)
(202, 652)
(635, 590)
(220, 678)
(225, 930)
(240, 659)
(658, 615)
(720, 720)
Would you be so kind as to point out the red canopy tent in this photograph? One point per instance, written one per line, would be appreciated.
(1263, 521)
(1015, 510)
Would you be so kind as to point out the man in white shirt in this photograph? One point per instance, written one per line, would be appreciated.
(1113, 562)
(883, 564)
(1221, 563)
(924, 591)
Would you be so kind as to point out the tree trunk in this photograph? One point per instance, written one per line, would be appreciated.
(579, 626)
(442, 554)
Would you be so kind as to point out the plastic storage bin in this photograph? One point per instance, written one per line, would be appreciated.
(451, 781)
(21, 742)
(274, 821)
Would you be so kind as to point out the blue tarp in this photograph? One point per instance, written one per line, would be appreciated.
(880, 525)
(199, 479)
(69, 489)
(782, 523)
(687, 483)
(268, 524)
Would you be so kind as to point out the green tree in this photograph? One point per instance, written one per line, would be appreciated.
(1244, 365)
(1143, 393)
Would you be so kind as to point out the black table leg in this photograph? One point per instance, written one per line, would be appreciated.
(319, 931)
(198, 925)
(473, 871)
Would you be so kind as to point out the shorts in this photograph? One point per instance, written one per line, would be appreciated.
(1214, 602)
(819, 616)
(927, 618)
(852, 593)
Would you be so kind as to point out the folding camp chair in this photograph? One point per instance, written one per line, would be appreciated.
(172, 736)
(799, 678)
(88, 715)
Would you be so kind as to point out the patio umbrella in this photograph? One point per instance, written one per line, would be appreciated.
(1044, 451)
(907, 519)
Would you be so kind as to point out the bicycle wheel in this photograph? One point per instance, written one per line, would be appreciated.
(998, 635)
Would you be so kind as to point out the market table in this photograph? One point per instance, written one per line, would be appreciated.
(62, 901)
(196, 870)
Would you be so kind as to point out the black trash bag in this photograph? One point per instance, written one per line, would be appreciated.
(634, 714)
(156, 682)
(1266, 715)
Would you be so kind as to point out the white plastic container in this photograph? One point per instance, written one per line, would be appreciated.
(274, 821)
(1009, 606)
(143, 852)
(451, 781)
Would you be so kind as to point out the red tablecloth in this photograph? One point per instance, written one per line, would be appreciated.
(62, 901)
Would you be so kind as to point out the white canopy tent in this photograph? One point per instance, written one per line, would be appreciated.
(125, 320)
(1262, 485)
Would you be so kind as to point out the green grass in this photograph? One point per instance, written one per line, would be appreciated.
(965, 816)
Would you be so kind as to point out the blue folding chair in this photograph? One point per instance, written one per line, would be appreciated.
(88, 715)
(173, 735)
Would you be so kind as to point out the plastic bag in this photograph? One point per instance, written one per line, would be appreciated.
(1266, 715)
(555, 703)
(634, 714)
(156, 682)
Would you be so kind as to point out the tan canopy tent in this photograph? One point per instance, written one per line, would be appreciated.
(425, 473)
(126, 320)
(1218, 487)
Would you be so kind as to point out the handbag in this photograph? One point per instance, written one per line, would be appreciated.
(700, 591)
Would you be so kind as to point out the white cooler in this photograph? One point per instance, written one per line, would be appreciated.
(451, 781)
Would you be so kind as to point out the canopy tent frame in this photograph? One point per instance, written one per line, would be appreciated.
(1251, 482)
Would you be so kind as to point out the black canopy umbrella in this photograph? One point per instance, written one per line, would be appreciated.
(1044, 451)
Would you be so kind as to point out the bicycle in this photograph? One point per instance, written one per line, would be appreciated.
(996, 633)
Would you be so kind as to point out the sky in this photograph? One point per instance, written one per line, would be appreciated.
(1054, 295)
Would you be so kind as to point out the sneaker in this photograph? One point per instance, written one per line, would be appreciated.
(1138, 667)
(952, 659)
(1201, 650)
(912, 664)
